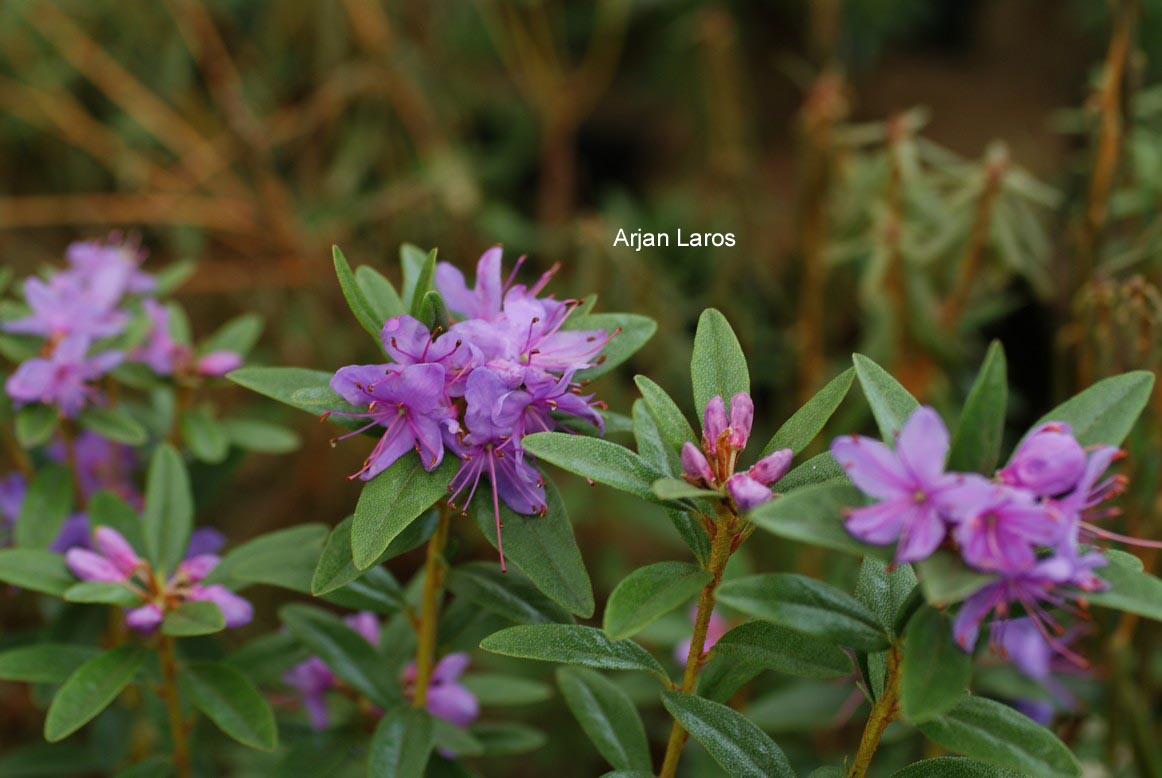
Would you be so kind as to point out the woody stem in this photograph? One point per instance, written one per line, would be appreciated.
(434, 568)
(720, 550)
(173, 705)
(882, 714)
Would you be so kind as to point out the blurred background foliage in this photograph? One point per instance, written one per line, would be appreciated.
(905, 178)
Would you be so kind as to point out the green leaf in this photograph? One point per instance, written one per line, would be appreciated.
(506, 738)
(40, 571)
(109, 510)
(46, 504)
(452, 739)
(298, 387)
(204, 436)
(419, 269)
(260, 436)
(806, 605)
(391, 501)
(998, 735)
(976, 443)
(194, 617)
(798, 431)
(885, 590)
(343, 650)
(353, 293)
(607, 716)
(401, 744)
(654, 451)
(945, 579)
(574, 645)
(115, 424)
(43, 662)
(595, 459)
(671, 422)
(718, 366)
(649, 593)
(1131, 589)
(336, 567)
(382, 299)
(742, 749)
(494, 689)
(819, 469)
(677, 489)
(285, 557)
(169, 509)
(934, 671)
(239, 335)
(35, 424)
(433, 312)
(510, 595)
(90, 689)
(635, 332)
(814, 514)
(772, 647)
(891, 404)
(232, 702)
(952, 767)
(102, 592)
(543, 547)
(1105, 412)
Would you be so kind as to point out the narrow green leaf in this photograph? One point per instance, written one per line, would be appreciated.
(285, 557)
(543, 547)
(718, 366)
(672, 424)
(510, 594)
(336, 567)
(595, 459)
(40, 571)
(607, 716)
(494, 689)
(574, 645)
(507, 738)
(109, 510)
(649, 593)
(298, 387)
(784, 650)
(976, 443)
(677, 489)
(798, 431)
(194, 617)
(419, 270)
(454, 740)
(115, 424)
(102, 592)
(43, 662)
(934, 671)
(1105, 412)
(391, 501)
(819, 469)
(633, 332)
(46, 504)
(353, 294)
(806, 605)
(232, 702)
(1131, 589)
(90, 689)
(35, 425)
(742, 749)
(885, 590)
(169, 509)
(344, 650)
(401, 744)
(891, 404)
(654, 451)
(952, 767)
(945, 579)
(814, 514)
(260, 436)
(998, 735)
(204, 436)
(382, 299)
(238, 335)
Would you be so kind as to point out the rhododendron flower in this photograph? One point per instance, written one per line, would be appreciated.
(447, 699)
(113, 258)
(1048, 462)
(1000, 528)
(313, 679)
(63, 378)
(70, 304)
(1020, 642)
(909, 482)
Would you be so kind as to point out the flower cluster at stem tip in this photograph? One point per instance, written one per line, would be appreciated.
(505, 367)
(723, 438)
(1029, 527)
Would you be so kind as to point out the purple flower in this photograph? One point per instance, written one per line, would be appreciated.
(746, 492)
(144, 619)
(236, 610)
(218, 363)
(92, 566)
(161, 352)
(71, 304)
(714, 424)
(999, 528)
(715, 629)
(1048, 462)
(12, 490)
(113, 258)
(695, 464)
(910, 484)
(447, 699)
(1021, 642)
(741, 419)
(484, 301)
(772, 467)
(205, 540)
(74, 533)
(100, 464)
(63, 377)
(313, 679)
(410, 404)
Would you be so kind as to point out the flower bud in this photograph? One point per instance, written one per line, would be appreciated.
(144, 619)
(89, 566)
(235, 609)
(772, 467)
(746, 492)
(1048, 462)
(695, 464)
(196, 568)
(366, 624)
(114, 547)
(741, 419)
(713, 423)
(219, 363)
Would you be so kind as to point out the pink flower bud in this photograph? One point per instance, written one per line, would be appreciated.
(695, 464)
(114, 547)
(741, 418)
(746, 492)
(219, 363)
(144, 619)
(198, 567)
(713, 423)
(366, 624)
(772, 467)
(89, 566)
(1048, 462)
(236, 610)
